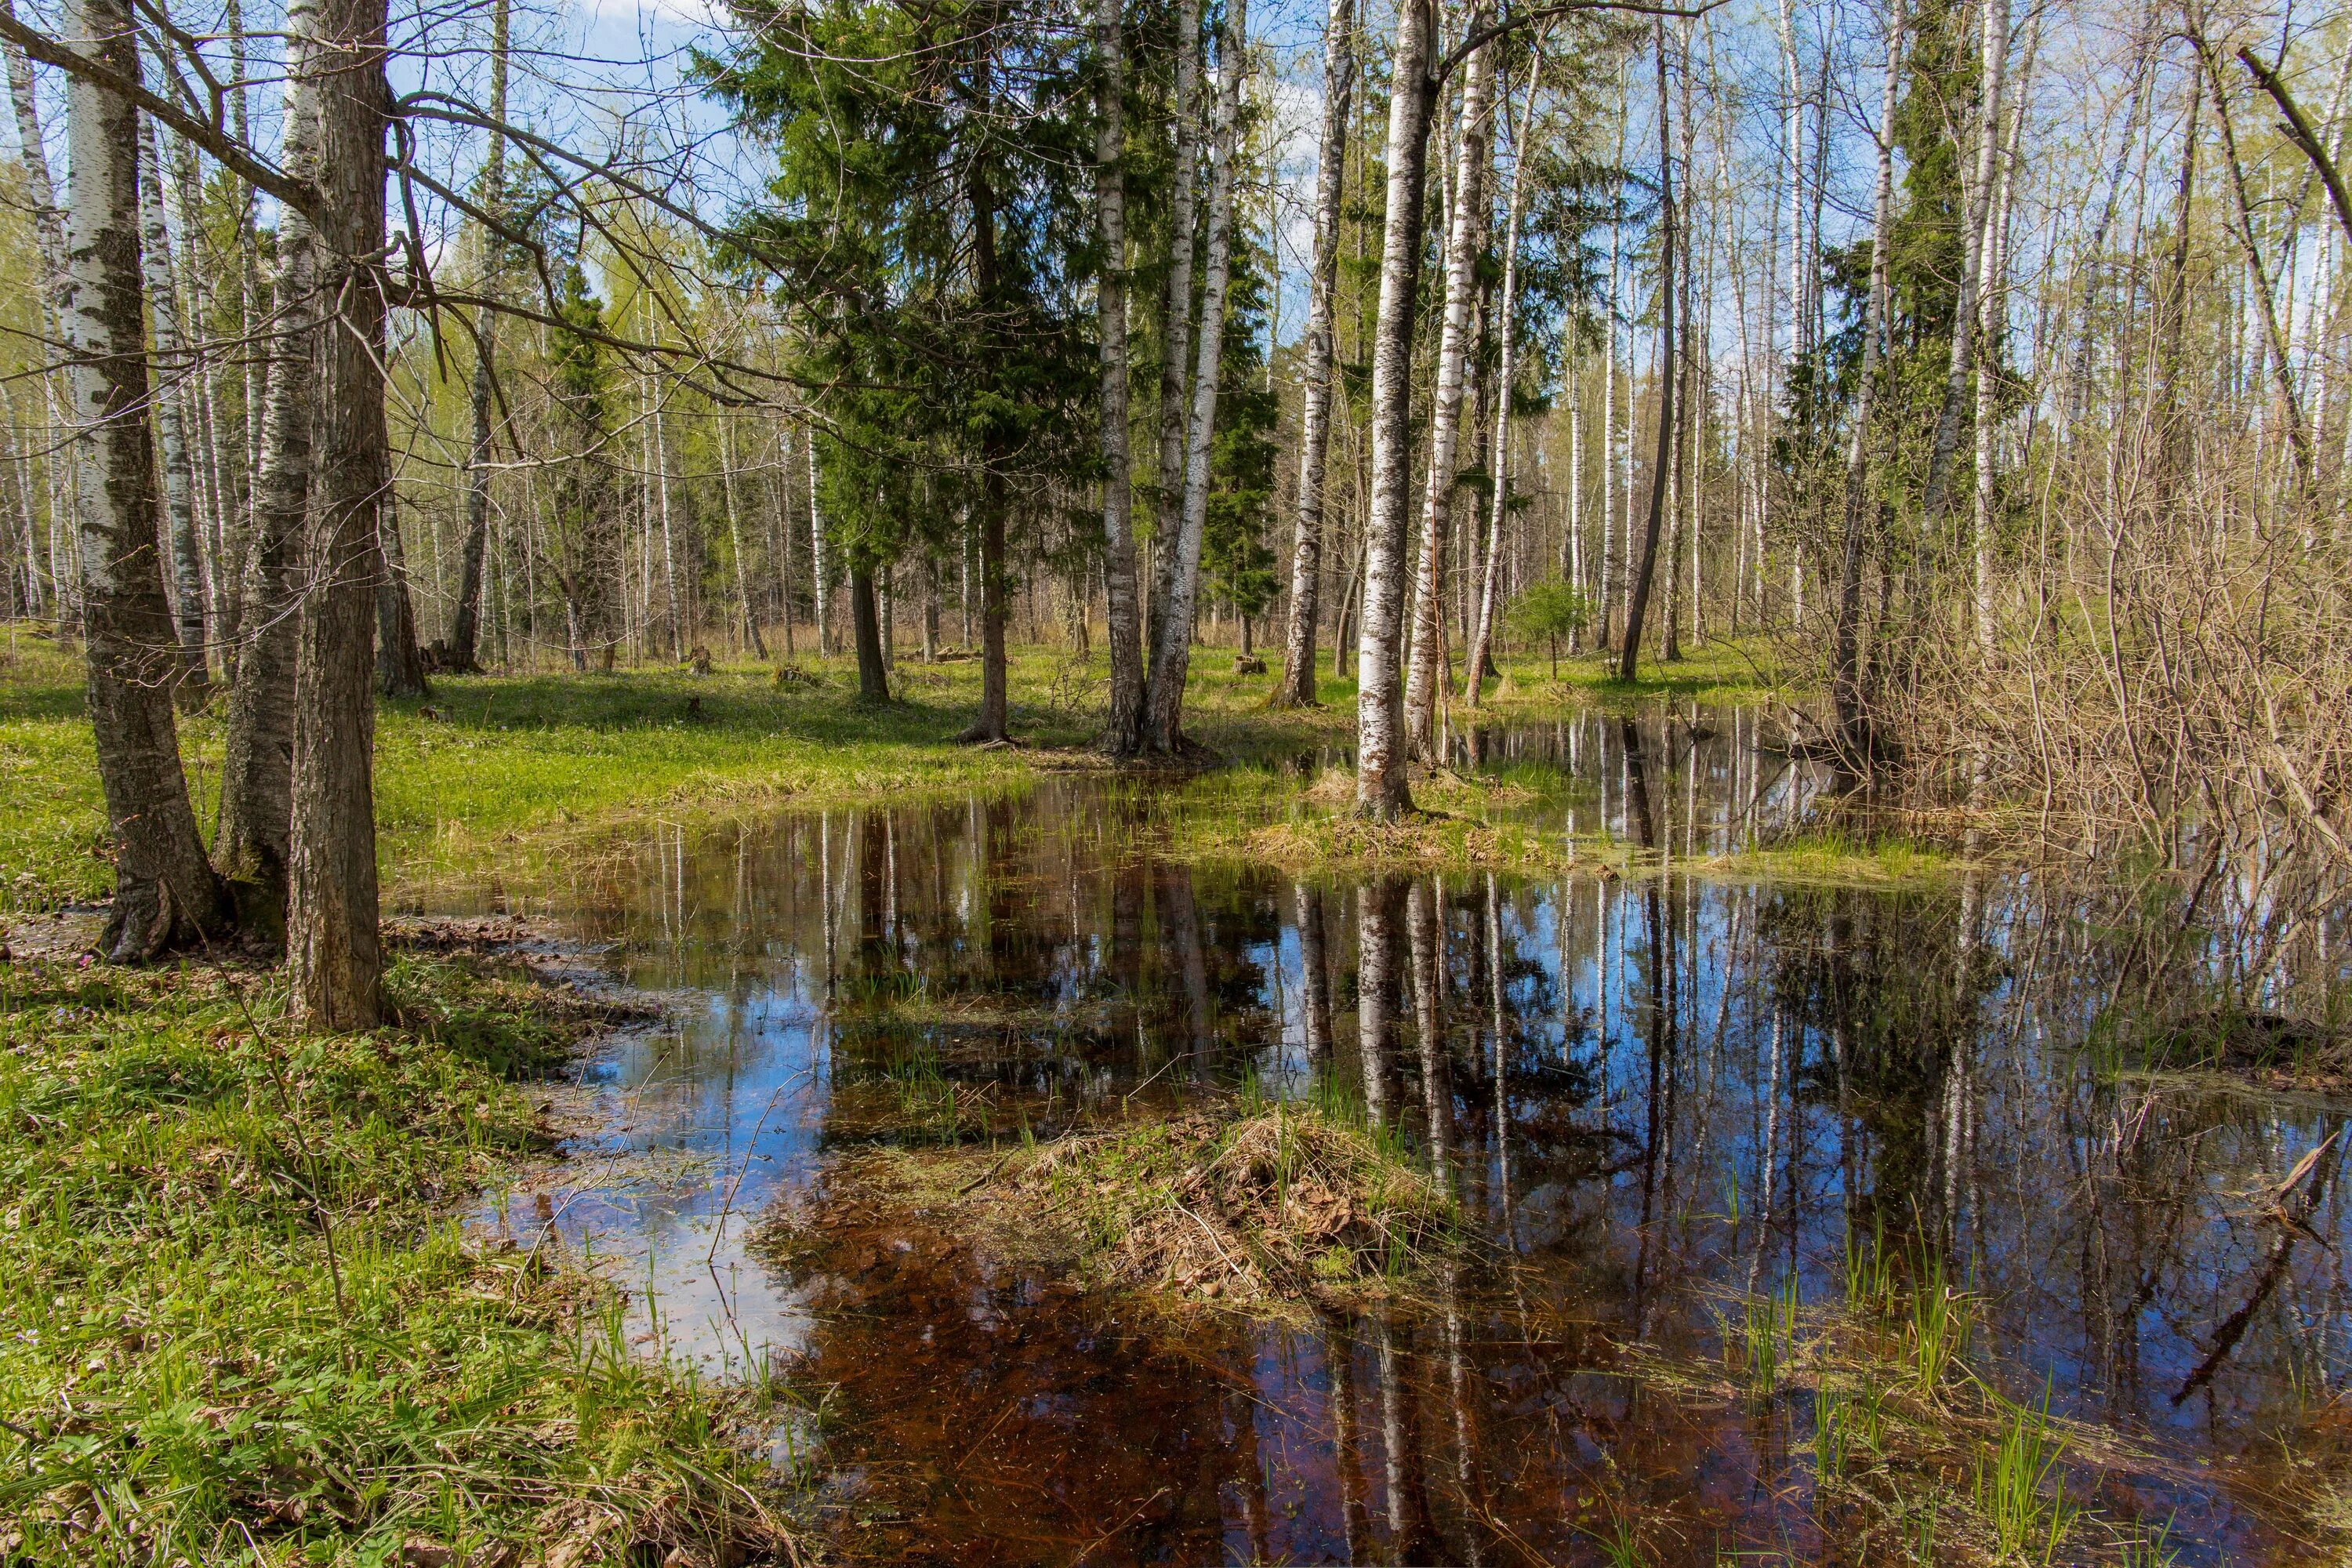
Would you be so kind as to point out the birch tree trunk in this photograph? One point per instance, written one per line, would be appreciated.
(1637, 602)
(164, 891)
(1122, 614)
(2258, 282)
(334, 961)
(1482, 639)
(1464, 242)
(1176, 303)
(257, 766)
(1993, 69)
(171, 365)
(735, 540)
(819, 566)
(1381, 783)
(1297, 684)
(1845, 680)
(1992, 305)
(50, 247)
(1172, 645)
(464, 626)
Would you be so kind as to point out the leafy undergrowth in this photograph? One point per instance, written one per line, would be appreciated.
(238, 1323)
(1269, 1207)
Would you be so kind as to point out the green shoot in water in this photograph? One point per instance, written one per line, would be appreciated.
(2018, 1488)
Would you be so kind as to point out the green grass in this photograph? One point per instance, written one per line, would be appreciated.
(1718, 671)
(1832, 857)
(241, 1325)
(512, 772)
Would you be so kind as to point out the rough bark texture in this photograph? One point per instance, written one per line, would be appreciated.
(334, 959)
(1297, 684)
(1172, 643)
(1466, 241)
(165, 892)
(873, 676)
(256, 767)
(1637, 601)
(1381, 783)
(1122, 611)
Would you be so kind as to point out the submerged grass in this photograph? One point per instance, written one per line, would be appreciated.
(241, 1325)
(1916, 1457)
(1269, 1205)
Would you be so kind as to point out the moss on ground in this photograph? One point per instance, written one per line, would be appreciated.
(243, 1326)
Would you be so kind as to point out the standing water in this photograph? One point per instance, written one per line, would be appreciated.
(1673, 1101)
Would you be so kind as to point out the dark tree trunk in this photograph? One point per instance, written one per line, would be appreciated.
(464, 626)
(333, 955)
(257, 769)
(1637, 603)
(873, 675)
(399, 666)
(165, 894)
(1317, 979)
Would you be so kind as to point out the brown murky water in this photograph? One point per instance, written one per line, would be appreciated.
(1659, 1095)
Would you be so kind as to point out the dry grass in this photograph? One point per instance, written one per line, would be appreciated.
(1269, 1207)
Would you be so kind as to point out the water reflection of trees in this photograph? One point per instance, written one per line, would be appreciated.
(1647, 1090)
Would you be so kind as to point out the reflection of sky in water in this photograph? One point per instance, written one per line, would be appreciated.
(1661, 1092)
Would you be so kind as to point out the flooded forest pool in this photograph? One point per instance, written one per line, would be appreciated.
(1671, 1104)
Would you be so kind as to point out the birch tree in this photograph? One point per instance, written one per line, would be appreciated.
(1846, 693)
(1171, 648)
(165, 894)
(465, 617)
(1506, 371)
(1123, 615)
(1465, 239)
(1382, 786)
(1297, 685)
(1637, 600)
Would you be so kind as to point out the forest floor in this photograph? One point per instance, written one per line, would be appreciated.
(517, 769)
(240, 1312)
(242, 1317)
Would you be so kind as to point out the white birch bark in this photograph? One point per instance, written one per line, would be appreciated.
(1380, 781)
(1315, 391)
(165, 893)
(1171, 648)
(1847, 658)
(170, 421)
(1992, 304)
(1122, 614)
(1176, 301)
(1466, 239)
(1482, 638)
(1993, 72)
